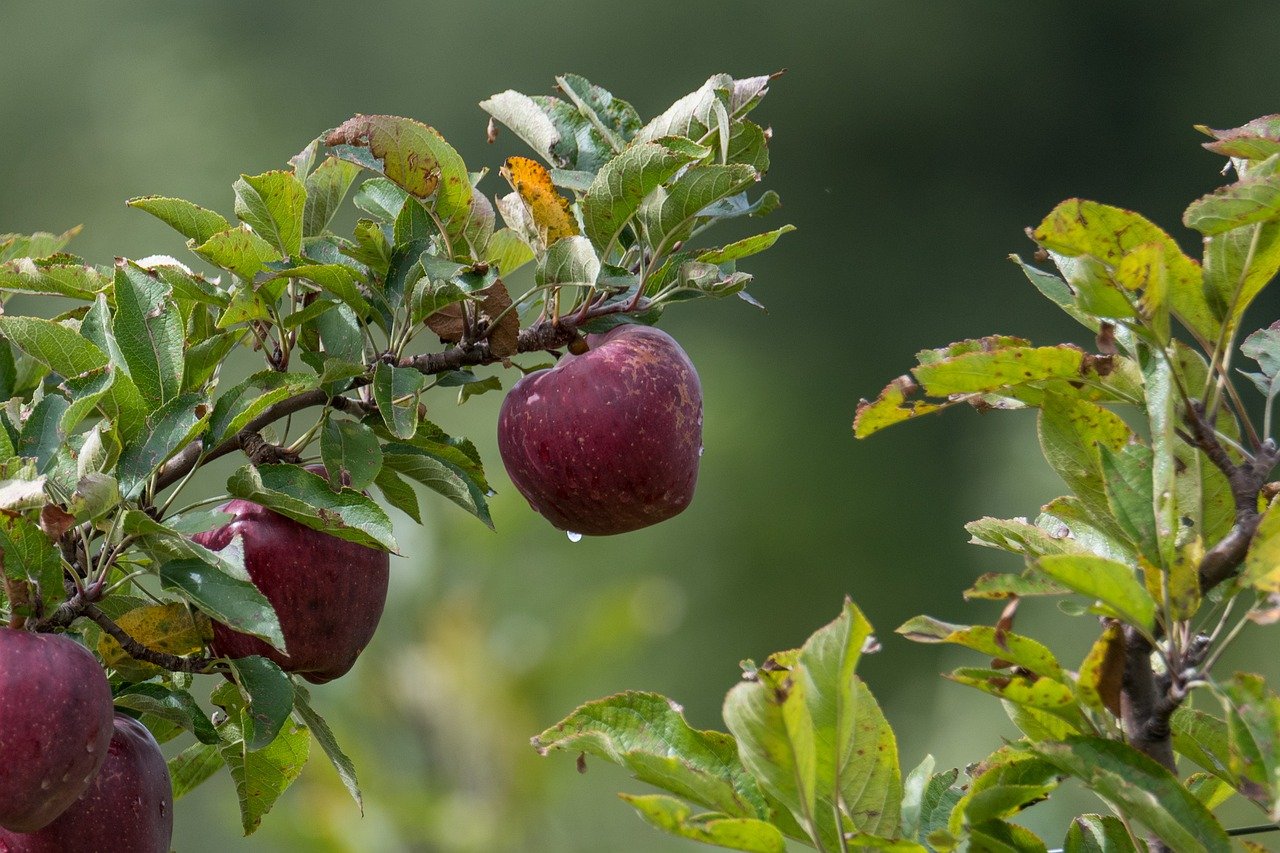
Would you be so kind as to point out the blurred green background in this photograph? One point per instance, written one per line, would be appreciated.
(913, 141)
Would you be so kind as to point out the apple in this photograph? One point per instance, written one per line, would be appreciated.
(128, 806)
(327, 592)
(55, 724)
(607, 441)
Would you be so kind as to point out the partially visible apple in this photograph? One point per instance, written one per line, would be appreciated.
(128, 807)
(607, 441)
(55, 724)
(327, 592)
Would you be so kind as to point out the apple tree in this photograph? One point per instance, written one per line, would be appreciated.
(1166, 546)
(130, 609)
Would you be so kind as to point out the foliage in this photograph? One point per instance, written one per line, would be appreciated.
(1166, 546)
(119, 392)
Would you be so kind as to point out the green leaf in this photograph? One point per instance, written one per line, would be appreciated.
(398, 493)
(396, 391)
(85, 391)
(507, 251)
(1254, 198)
(324, 736)
(998, 836)
(203, 359)
(176, 706)
(173, 426)
(41, 437)
(1077, 228)
(194, 765)
(29, 555)
(1139, 788)
(1005, 645)
(1005, 788)
(187, 218)
(1018, 537)
(693, 115)
(269, 694)
(1111, 583)
(1093, 833)
(771, 721)
(623, 183)
(975, 372)
(891, 407)
(668, 214)
(569, 260)
(938, 801)
(647, 734)
(60, 348)
(1072, 434)
(350, 448)
(59, 275)
(440, 474)
(1262, 562)
(325, 189)
(1033, 691)
(272, 205)
(262, 775)
(309, 500)
(745, 248)
(1126, 479)
(1254, 140)
(615, 119)
(1205, 740)
(233, 601)
(238, 250)
(381, 199)
(856, 754)
(1238, 264)
(1253, 721)
(673, 816)
(149, 330)
(236, 407)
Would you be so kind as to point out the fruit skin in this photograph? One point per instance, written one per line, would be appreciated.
(129, 805)
(55, 724)
(608, 441)
(328, 593)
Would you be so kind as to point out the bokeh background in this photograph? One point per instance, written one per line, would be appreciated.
(913, 142)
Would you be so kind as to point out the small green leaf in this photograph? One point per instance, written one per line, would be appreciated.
(232, 601)
(647, 734)
(623, 183)
(398, 493)
(1262, 562)
(60, 348)
(746, 247)
(669, 214)
(29, 555)
(1253, 721)
(1205, 740)
(238, 250)
(326, 187)
(1141, 789)
(507, 251)
(350, 448)
(269, 694)
(1254, 198)
(194, 765)
(673, 816)
(1033, 691)
(1005, 645)
(176, 706)
(569, 260)
(148, 328)
(187, 218)
(976, 372)
(272, 205)
(85, 391)
(262, 775)
(1126, 479)
(440, 474)
(309, 500)
(1111, 583)
(236, 407)
(173, 426)
(396, 391)
(60, 275)
(324, 736)
(1072, 435)
(527, 120)
(1093, 833)
(41, 436)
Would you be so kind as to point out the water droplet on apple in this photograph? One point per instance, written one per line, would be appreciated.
(701, 450)
(574, 537)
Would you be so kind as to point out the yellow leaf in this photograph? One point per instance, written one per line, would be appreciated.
(168, 628)
(550, 210)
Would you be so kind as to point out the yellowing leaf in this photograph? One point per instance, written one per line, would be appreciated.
(168, 628)
(550, 210)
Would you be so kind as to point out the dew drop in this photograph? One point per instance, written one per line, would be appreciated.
(701, 450)
(574, 537)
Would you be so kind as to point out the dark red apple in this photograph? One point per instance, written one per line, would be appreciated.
(129, 805)
(328, 593)
(55, 724)
(607, 441)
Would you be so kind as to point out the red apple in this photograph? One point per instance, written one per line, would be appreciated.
(55, 724)
(607, 441)
(327, 592)
(129, 805)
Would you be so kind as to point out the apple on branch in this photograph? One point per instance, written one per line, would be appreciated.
(607, 441)
(55, 725)
(127, 807)
(328, 593)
